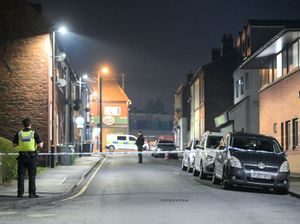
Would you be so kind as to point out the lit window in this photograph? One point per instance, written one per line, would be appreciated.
(293, 57)
(279, 65)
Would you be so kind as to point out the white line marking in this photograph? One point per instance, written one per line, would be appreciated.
(87, 184)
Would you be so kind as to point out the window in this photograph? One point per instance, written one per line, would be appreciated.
(293, 57)
(264, 76)
(295, 133)
(246, 81)
(121, 138)
(242, 85)
(287, 135)
(236, 89)
(274, 68)
(132, 138)
(271, 77)
(284, 63)
(282, 134)
(279, 65)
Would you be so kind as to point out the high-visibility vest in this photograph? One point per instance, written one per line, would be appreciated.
(26, 141)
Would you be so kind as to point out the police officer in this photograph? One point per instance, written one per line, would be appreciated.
(27, 141)
(140, 143)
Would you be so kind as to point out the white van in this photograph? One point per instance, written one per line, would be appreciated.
(120, 141)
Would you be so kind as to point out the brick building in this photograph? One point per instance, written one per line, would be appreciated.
(211, 88)
(26, 76)
(25, 59)
(279, 103)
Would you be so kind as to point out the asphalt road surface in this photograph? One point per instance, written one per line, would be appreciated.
(157, 191)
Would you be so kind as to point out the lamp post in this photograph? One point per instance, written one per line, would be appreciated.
(53, 119)
(103, 71)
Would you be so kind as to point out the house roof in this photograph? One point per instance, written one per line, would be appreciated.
(112, 92)
(272, 47)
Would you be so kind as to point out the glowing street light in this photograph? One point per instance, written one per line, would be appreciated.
(62, 30)
(103, 71)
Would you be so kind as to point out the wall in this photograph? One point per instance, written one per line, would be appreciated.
(24, 72)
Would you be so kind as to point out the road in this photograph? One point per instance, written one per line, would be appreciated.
(157, 191)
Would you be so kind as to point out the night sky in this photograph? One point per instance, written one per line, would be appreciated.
(153, 42)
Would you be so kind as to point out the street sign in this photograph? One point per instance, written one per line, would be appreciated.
(79, 122)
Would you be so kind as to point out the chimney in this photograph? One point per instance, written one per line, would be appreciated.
(226, 44)
(215, 54)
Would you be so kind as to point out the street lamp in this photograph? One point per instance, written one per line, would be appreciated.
(53, 138)
(103, 71)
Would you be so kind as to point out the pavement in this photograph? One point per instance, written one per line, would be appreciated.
(52, 184)
(61, 182)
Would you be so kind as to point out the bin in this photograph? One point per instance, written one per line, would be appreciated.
(66, 160)
(87, 147)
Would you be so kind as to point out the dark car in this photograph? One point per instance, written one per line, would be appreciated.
(251, 160)
(162, 146)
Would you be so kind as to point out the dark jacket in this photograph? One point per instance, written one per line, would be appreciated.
(140, 141)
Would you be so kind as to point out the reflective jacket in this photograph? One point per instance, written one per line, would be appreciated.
(27, 141)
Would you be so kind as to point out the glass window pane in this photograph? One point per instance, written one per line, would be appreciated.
(284, 63)
(270, 72)
(274, 68)
(279, 65)
(242, 85)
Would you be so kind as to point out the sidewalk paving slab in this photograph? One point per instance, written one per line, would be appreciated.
(52, 184)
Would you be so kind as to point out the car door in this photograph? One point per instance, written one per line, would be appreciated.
(186, 153)
(218, 161)
(132, 140)
(199, 149)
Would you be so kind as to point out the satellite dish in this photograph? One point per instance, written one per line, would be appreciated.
(60, 56)
(61, 83)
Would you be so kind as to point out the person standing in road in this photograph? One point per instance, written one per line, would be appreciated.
(140, 143)
(27, 141)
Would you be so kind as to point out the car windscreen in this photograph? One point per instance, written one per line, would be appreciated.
(213, 141)
(256, 143)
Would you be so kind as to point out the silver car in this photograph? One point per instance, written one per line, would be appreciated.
(189, 155)
(205, 154)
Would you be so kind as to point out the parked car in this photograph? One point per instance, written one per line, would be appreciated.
(164, 145)
(188, 159)
(205, 154)
(251, 160)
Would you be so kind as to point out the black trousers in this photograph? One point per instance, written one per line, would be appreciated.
(140, 156)
(26, 161)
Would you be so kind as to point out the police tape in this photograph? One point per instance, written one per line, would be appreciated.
(94, 153)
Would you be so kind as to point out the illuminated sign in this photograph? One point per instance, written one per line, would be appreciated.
(112, 111)
(108, 120)
(220, 120)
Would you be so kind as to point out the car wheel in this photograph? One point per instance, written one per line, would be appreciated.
(195, 172)
(282, 190)
(111, 148)
(183, 167)
(201, 172)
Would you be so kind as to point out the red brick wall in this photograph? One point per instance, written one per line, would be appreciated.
(280, 103)
(24, 71)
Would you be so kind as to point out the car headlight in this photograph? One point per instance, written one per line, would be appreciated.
(284, 167)
(234, 162)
